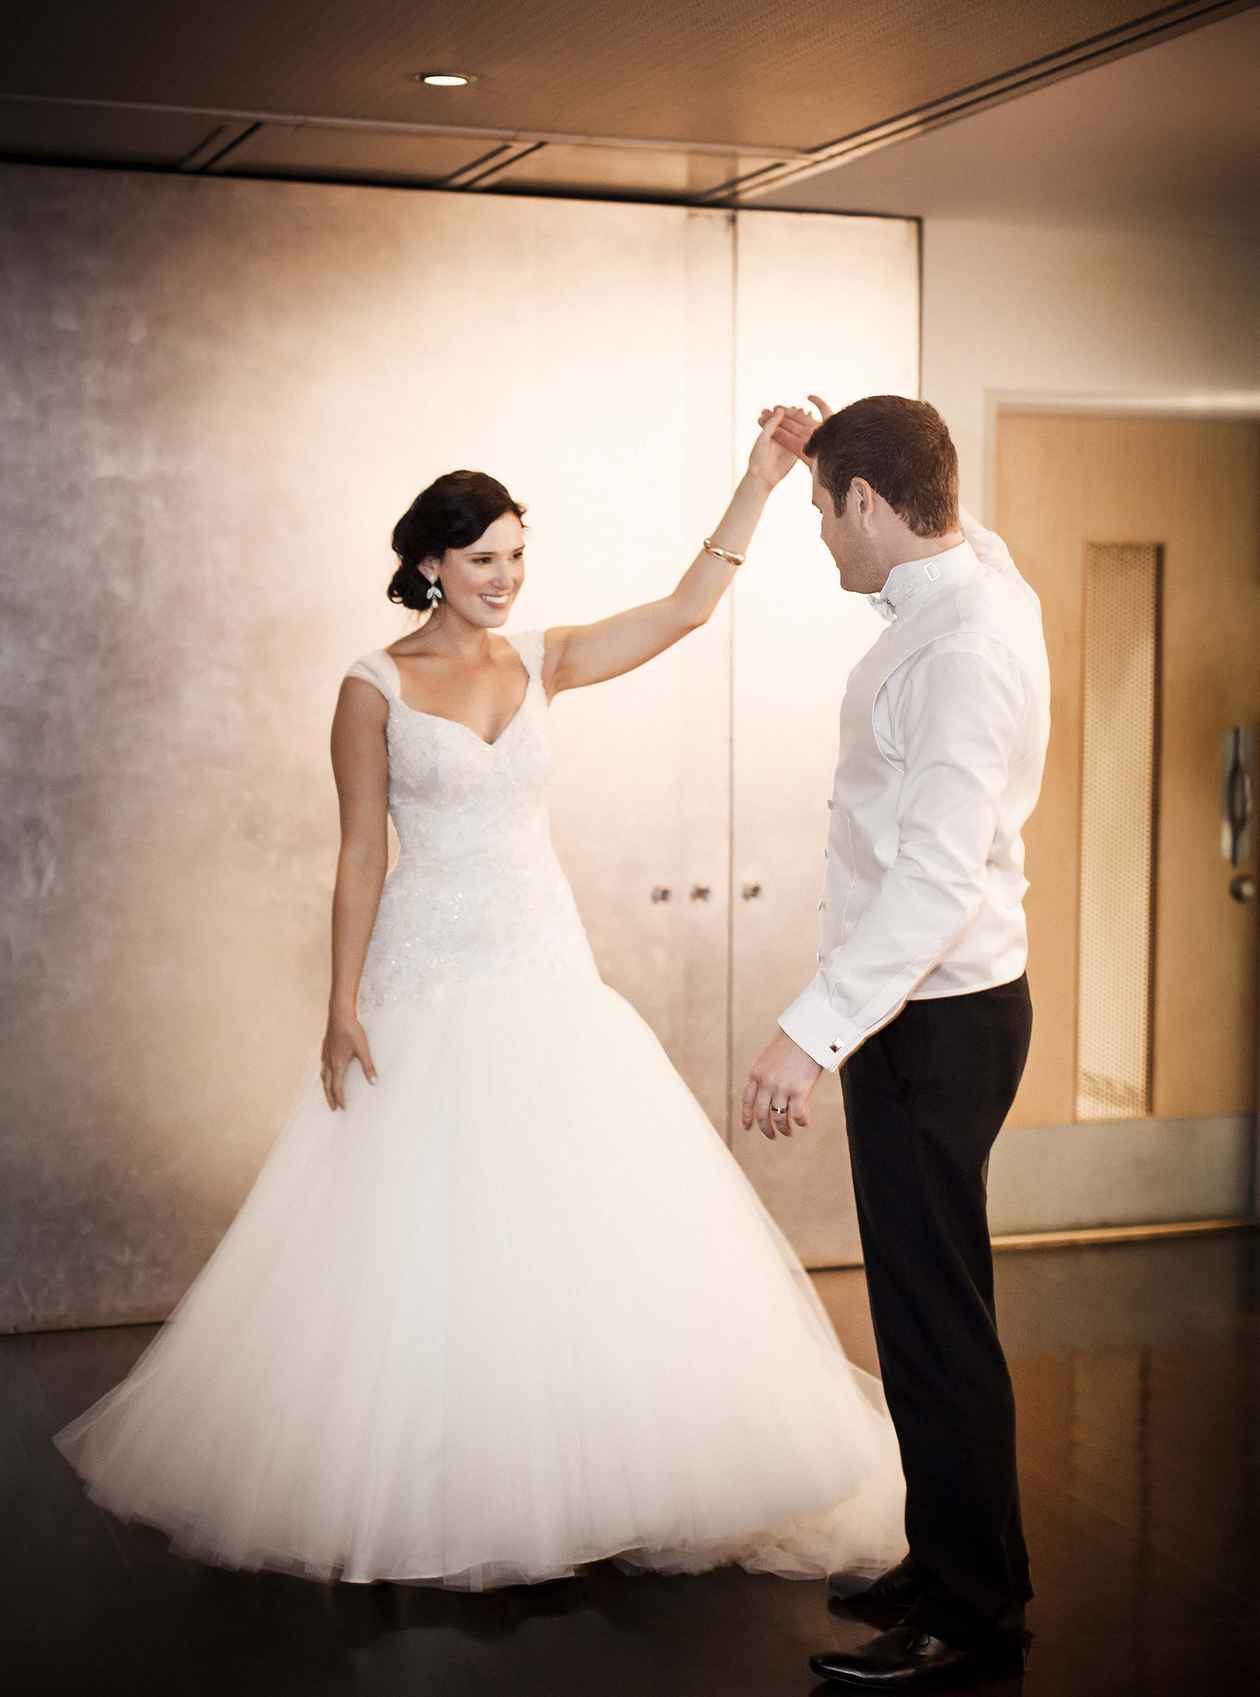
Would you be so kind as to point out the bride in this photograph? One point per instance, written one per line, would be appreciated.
(500, 1301)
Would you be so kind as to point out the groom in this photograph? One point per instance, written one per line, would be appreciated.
(921, 1002)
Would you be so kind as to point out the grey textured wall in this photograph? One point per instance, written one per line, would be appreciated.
(177, 606)
(216, 398)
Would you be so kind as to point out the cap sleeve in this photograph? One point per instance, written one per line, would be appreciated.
(530, 645)
(376, 668)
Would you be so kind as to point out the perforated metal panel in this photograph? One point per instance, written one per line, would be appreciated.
(1119, 779)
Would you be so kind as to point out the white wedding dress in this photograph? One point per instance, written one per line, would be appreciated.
(516, 1308)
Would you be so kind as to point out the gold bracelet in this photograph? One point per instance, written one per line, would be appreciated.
(724, 553)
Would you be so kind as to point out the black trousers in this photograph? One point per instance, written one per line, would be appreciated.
(924, 1099)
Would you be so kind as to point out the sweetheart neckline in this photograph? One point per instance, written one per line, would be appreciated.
(445, 718)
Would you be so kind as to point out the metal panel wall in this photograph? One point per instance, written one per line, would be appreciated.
(217, 397)
(828, 307)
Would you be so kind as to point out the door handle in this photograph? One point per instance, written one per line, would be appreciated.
(1238, 803)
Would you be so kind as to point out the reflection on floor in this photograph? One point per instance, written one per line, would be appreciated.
(1137, 1370)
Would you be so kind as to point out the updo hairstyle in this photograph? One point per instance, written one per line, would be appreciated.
(451, 513)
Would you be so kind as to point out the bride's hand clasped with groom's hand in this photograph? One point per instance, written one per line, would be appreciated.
(774, 453)
(796, 425)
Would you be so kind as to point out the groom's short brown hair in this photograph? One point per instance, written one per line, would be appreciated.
(902, 448)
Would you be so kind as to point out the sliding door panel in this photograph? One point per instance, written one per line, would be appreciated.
(827, 306)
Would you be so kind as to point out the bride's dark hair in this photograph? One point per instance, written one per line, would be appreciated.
(451, 513)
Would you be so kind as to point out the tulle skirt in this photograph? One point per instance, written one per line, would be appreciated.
(516, 1309)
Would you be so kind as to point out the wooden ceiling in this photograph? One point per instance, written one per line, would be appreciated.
(683, 100)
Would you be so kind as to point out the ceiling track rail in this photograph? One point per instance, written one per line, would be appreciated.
(501, 163)
(1084, 55)
(217, 146)
(381, 126)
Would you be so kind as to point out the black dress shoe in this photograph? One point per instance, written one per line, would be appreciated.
(908, 1658)
(888, 1597)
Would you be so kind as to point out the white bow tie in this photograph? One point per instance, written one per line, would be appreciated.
(928, 572)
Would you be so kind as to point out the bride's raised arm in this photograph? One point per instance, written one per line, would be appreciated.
(577, 655)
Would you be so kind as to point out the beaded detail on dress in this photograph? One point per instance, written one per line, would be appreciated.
(477, 885)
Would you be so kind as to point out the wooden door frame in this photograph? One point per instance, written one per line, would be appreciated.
(1242, 406)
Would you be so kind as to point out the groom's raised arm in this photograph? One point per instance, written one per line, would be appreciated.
(957, 720)
(986, 545)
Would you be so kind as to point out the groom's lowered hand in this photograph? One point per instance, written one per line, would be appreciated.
(779, 1087)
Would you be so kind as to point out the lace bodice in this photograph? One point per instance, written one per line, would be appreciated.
(477, 884)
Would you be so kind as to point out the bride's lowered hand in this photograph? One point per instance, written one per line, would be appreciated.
(344, 1041)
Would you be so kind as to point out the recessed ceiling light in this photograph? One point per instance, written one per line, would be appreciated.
(443, 79)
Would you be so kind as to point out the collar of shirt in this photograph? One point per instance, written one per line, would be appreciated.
(912, 579)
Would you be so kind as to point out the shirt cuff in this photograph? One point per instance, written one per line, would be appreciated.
(814, 1025)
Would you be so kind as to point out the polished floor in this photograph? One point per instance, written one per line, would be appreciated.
(1137, 1370)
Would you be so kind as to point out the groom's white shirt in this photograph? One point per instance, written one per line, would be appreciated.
(943, 733)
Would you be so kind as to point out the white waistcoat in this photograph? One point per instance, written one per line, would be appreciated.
(960, 603)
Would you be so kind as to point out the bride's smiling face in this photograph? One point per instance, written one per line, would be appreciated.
(481, 582)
